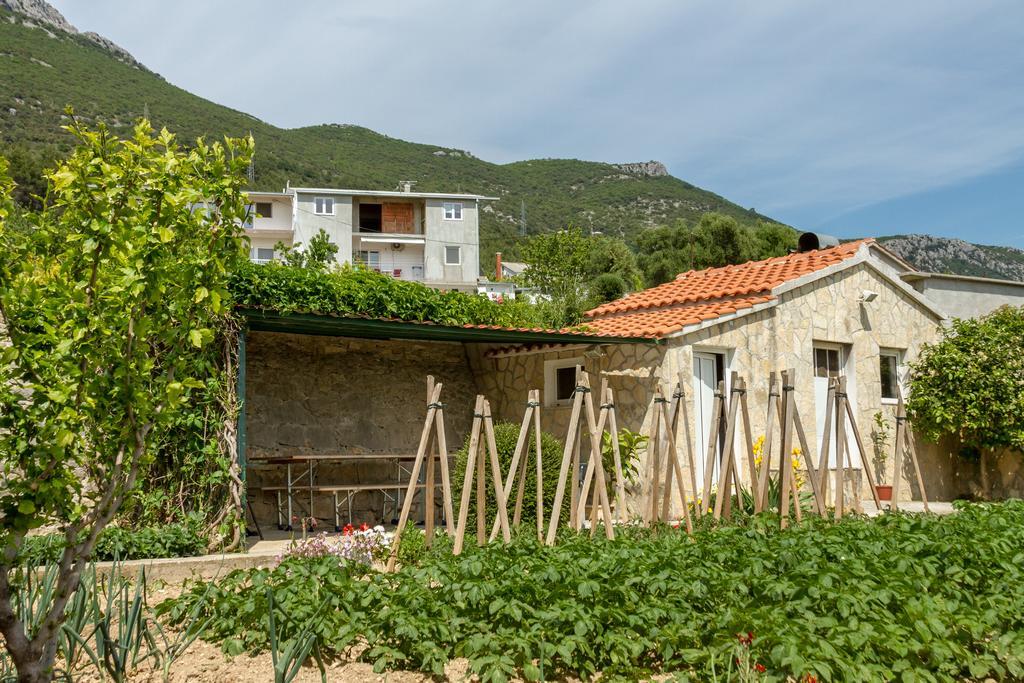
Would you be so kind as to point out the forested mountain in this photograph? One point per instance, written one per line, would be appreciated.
(46, 64)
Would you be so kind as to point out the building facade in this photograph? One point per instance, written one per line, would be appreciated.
(426, 237)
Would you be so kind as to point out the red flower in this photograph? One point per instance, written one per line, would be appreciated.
(746, 639)
(759, 668)
(364, 527)
(347, 530)
(810, 678)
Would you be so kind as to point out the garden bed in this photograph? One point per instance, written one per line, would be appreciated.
(899, 596)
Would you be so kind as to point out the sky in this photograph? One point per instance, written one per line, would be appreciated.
(865, 118)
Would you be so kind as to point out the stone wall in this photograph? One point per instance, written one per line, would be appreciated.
(756, 344)
(328, 395)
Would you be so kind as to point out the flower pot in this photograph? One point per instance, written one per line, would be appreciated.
(884, 492)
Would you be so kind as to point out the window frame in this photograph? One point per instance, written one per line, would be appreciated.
(268, 214)
(458, 250)
(323, 199)
(254, 255)
(897, 355)
(456, 208)
(367, 262)
(551, 368)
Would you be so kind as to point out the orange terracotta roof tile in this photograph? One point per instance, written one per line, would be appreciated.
(699, 295)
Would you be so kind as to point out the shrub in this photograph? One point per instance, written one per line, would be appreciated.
(505, 435)
(182, 539)
(971, 383)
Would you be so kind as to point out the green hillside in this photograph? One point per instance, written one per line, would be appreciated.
(43, 69)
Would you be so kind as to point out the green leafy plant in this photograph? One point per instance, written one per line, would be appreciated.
(319, 254)
(352, 290)
(880, 443)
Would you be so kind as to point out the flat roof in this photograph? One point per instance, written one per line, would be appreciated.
(390, 193)
(262, 320)
(920, 275)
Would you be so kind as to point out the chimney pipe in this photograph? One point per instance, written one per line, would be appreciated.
(497, 266)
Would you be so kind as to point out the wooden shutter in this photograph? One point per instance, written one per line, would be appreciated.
(397, 217)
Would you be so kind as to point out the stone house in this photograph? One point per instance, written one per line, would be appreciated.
(841, 311)
(322, 384)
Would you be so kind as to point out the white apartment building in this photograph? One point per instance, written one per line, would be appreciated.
(427, 237)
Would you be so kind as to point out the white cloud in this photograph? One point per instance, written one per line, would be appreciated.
(787, 106)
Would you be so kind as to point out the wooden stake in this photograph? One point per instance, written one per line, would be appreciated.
(620, 484)
(481, 495)
(654, 462)
(826, 440)
(785, 464)
(414, 476)
(724, 494)
(712, 449)
(751, 466)
(499, 490)
(467, 480)
(540, 466)
(897, 460)
(446, 483)
(571, 439)
(912, 449)
(840, 445)
(430, 483)
(766, 446)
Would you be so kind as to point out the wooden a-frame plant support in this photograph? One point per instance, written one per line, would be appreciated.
(840, 423)
(783, 409)
(595, 474)
(582, 401)
(433, 445)
(904, 443)
(482, 422)
(520, 464)
(663, 419)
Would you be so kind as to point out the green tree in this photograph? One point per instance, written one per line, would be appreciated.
(971, 383)
(716, 240)
(108, 303)
(557, 265)
(610, 255)
(319, 254)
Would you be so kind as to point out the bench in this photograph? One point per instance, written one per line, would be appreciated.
(389, 490)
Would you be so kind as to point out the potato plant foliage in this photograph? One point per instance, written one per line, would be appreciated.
(899, 597)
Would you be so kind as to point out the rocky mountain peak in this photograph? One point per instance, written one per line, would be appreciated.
(42, 12)
(650, 169)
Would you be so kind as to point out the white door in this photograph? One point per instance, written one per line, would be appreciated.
(830, 362)
(705, 381)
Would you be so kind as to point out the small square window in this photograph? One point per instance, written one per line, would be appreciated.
(264, 209)
(323, 206)
(453, 211)
(889, 375)
(560, 380)
(452, 256)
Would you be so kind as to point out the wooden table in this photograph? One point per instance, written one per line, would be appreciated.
(306, 481)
